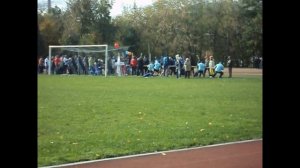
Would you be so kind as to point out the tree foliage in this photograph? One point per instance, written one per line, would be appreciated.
(188, 27)
(221, 27)
(49, 29)
(83, 22)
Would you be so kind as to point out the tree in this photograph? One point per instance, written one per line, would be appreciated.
(88, 22)
(42, 50)
(251, 21)
(50, 28)
(102, 22)
(226, 27)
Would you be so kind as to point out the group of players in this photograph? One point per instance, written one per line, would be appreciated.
(140, 66)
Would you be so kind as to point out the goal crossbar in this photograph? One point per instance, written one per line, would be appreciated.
(78, 46)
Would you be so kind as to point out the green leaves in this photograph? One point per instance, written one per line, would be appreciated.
(172, 26)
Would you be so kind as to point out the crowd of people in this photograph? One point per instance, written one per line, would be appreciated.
(63, 64)
(133, 65)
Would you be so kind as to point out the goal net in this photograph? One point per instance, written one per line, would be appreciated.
(80, 57)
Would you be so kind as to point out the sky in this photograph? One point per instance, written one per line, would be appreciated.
(116, 9)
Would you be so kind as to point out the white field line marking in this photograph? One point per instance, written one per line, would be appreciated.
(152, 153)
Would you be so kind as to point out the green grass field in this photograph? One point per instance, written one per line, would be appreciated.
(91, 117)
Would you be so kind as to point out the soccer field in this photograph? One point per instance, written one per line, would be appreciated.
(93, 117)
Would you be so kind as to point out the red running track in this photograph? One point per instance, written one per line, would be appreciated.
(247, 154)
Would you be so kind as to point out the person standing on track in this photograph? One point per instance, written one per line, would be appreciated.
(229, 64)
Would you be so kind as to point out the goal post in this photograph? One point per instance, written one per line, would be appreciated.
(79, 46)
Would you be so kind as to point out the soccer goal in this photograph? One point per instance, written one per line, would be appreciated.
(80, 49)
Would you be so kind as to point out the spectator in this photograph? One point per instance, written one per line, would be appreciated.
(165, 64)
(178, 66)
(140, 66)
(206, 65)
(229, 64)
(40, 65)
(146, 62)
(211, 65)
(133, 64)
(46, 64)
(187, 68)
